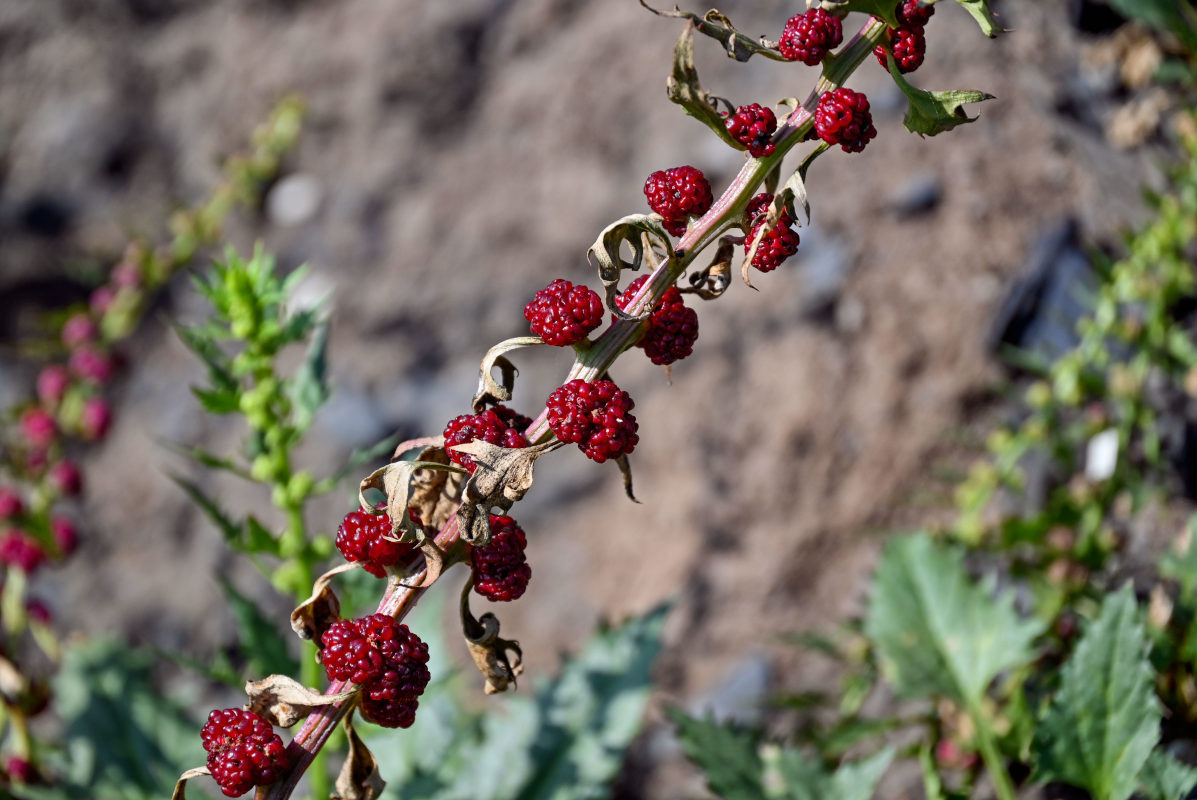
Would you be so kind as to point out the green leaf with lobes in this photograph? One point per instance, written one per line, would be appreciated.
(929, 113)
(1165, 778)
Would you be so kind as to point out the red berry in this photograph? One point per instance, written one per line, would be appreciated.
(512, 418)
(672, 326)
(95, 418)
(842, 117)
(753, 126)
(488, 427)
(19, 549)
(52, 383)
(21, 770)
(364, 537)
(125, 275)
(676, 194)
(10, 503)
(65, 535)
(243, 751)
(913, 15)
(368, 649)
(65, 477)
(389, 713)
(810, 36)
(91, 364)
(101, 299)
(501, 571)
(564, 314)
(38, 611)
(778, 244)
(595, 416)
(909, 46)
(79, 329)
(38, 427)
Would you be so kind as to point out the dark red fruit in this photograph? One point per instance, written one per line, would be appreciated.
(95, 418)
(66, 537)
(19, 549)
(677, 194)
(364, 537)
(10, 503)
(753, 126)
(909, 45)
(843, 118)
(563, 314)
(595, 416)
(913, 15)
(388, 713)
(243, 751)
(501, 571)
(810, 36)
(487, 426)
(672, 326)
(512, 418)
(38, 427)
(778, 244)
(66, 477)
(368, 649)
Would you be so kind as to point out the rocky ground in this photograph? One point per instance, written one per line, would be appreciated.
(457, 157)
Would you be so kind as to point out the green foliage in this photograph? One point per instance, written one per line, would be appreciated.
(1104, 721)
(1165, 778)
(739, 767)
(564, 743)
(929, 113)
(937, 632)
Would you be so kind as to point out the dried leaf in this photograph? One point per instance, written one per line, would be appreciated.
(314, 616)
(395, 481)
(434, 493)
(625, 469)
(180, 792)
(713, 281)
(488, 390)
(502, 476)
(488, 650)
(422, 443)
(360, 778)
(12, 681)
(685, 89)
(718, 26)
(283, 701)
(604, 253)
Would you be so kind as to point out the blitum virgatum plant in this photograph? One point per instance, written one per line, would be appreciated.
(446, 499)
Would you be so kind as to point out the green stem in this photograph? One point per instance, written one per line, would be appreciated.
(995, 765)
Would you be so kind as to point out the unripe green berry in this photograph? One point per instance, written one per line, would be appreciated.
(299, 486)
(262, 468)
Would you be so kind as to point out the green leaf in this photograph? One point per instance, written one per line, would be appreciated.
(261, 638)
(684, 88)
(217, 402)
(882, 9)
(212, 510)
(357, 458)
(728, 756)
(858, 780)
(1165, 778)
(1180, 562)
(937, 632)
(984, 16)
(309, 388)
(930, 113)
(1104, 721)
(210, 460)
(220, 369)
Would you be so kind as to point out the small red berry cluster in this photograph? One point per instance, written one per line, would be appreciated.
(907, 42)
(365, 538)
(779, 242)
(501, 571)
(386, 659)
(243, 751)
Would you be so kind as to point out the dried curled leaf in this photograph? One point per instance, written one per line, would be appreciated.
(360, 778)
(502, 476)
(685, 89)
(180, 792)
(488, 650)
(625, 470)
(396, 480)
(718, 26)
(434, 493)
(314, 616)
(639, 231)
(713, 281)
(488, 390)
(283, 701)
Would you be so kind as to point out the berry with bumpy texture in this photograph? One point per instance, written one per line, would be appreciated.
(365, 539)
(810, 36)
(778, 244)
(842, 117)
(676, 194)
(753, 126)
(389, 714)
(488, 427)
(909, 45)
(911, 14)
(595, 416)
(672, 326)
(243, 751)
(501, 571)
(368, 649)
(512, 418)
(564, 314)
(91, 364)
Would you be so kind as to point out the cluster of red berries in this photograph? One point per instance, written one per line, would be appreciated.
(595, 416)
(19, 546)
(501, 571)
(365, 538)
(677, 194)
(753, 126)
(779, 242)
(498, 426)
(564, 314)
(808, 37)
(908, 41)
(386, 659)
(672, 327)
(843, 117)
(243, 751)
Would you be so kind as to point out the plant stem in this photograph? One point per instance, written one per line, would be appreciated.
(995, 765)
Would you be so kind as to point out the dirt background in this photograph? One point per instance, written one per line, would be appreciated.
(461, 155)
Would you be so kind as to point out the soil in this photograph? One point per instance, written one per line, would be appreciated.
(463, 155)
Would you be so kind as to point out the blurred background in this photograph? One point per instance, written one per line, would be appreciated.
(456, 157)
